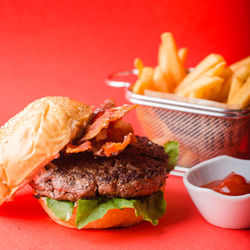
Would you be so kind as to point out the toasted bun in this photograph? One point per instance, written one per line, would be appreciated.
(113, 218)
(34, 137)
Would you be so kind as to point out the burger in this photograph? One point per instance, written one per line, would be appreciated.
(86, 167)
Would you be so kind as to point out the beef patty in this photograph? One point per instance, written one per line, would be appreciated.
(137, 171)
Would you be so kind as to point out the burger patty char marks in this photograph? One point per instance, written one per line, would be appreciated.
(137, 171)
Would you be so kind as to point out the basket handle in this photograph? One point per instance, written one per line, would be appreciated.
(113, 82)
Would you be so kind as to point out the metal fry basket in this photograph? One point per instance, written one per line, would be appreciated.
(202, 131)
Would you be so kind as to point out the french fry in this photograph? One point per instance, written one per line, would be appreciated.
(164, 68)
(242, 97)
(210, 80)
(160, 83)
(243, 73)
(213, 93)
(205, 65)
(241, 63)
(210, 91)
(216, 70)
(138, 64)
(227, 75)
(145, 81)
(169, 62)
(182, 54)
(202, 87)
(235, 87)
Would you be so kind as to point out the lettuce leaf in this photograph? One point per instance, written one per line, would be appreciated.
(172, 150)
(151, 208)
(61, 209)
(91, 210)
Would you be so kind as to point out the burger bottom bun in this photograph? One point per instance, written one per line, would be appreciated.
(113, 218)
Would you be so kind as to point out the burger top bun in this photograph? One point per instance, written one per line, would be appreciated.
(34, 137)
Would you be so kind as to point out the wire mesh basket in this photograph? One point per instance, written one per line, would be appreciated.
(202, 131)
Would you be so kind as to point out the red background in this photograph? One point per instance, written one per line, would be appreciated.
(68, 48)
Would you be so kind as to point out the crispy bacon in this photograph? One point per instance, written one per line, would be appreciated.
(103, 121)
(107, 134)
(117, 130)
(114, 148)
(103, 149)
(108, 104)
(78, 148)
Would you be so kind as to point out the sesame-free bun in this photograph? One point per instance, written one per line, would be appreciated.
(113, 218)
(33, 138)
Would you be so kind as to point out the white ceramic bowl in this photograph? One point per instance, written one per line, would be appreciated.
(218, 209)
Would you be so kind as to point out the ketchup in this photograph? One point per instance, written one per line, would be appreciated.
(233, 184)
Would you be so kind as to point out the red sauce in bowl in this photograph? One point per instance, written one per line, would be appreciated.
(233, 184)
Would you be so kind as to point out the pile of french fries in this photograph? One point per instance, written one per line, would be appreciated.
(212, 79)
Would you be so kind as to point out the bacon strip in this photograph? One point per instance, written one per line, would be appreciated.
(114, 148)
(78, 148)
(108, 135)
(104, 119)
(107, 149)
